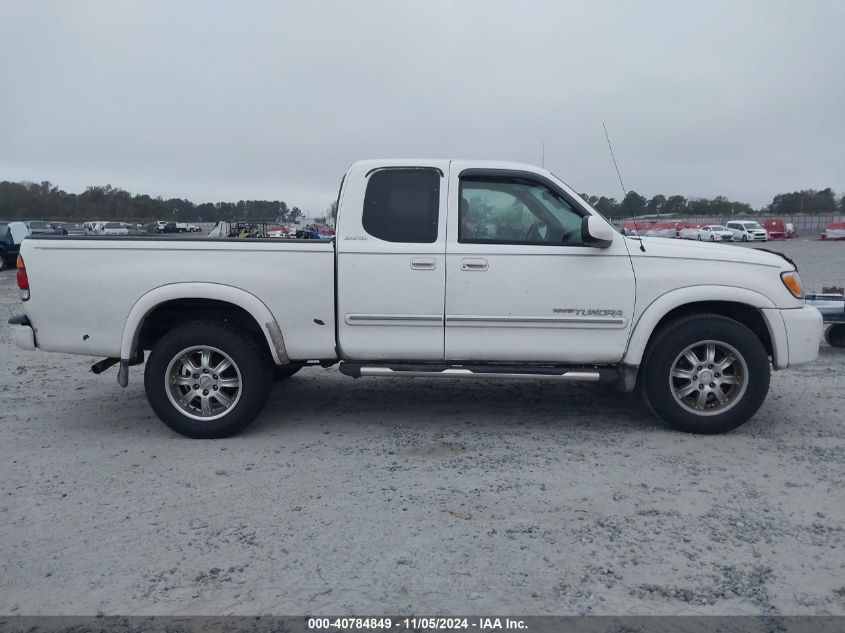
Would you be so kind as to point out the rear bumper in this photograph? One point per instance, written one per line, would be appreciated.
(22, 332)
(798, 341)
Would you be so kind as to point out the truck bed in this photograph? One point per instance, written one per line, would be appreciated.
(85, 287)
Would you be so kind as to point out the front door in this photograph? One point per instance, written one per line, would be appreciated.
(520, 283)
(391, 273)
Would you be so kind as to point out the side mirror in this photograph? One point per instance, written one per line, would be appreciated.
(595, 232)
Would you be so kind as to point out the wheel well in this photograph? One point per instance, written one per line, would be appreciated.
(170, 314)
(749, 316)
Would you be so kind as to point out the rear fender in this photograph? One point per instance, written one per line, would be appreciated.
(196, 290)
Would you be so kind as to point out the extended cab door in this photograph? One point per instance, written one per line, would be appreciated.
(520, 283)
(391, 273)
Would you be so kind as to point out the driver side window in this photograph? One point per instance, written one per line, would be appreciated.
(515, 211)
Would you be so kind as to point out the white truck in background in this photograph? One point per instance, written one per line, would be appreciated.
(441, 269)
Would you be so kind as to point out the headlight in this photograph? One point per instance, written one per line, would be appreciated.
(793, 283)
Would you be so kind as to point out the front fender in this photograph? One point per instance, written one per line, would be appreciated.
(662, 305)
(201, 290)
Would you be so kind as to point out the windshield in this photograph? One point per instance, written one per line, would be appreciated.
(717, 227)
(112, 225)
(752, 225)
(39, 225)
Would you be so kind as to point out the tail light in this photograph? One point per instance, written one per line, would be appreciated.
(23, 280)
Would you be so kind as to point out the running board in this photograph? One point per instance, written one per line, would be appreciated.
(566, 373)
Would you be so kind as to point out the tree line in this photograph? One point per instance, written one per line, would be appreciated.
(633, 204)
(45, 201)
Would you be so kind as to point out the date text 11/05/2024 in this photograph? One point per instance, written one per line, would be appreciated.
(416, 624)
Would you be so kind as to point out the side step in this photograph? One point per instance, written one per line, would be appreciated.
(567, 373)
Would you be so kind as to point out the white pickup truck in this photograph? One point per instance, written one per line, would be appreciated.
(439, 269)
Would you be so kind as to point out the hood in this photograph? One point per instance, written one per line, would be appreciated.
(707, 251)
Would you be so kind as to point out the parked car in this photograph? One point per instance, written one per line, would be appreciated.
(112, 228)
(90, 228)
(11, 236)
(413, 288)
(834, 231)
(791, 231)
(279, 231)
(635, 227)
(42, 227)
(72, 228)
(775, 228)
(689, 231)
(747, 231)
(664, 229)
(714, 233)
(38, 227)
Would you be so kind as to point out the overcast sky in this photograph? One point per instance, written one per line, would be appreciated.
(273, 100)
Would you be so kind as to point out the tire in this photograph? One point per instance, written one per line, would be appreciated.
(245, 383)
(744, 237)
(284, 372)
(712, 238)
(699, 237)
(2, 260)
(743, 385)
(835, 335)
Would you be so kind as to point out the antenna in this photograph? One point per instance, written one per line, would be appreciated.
(621, 184)
(610, 147)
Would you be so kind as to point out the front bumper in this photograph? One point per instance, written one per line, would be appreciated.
(796, 335)
(22, 332)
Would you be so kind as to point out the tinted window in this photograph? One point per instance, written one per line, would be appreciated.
(402, 205)
(515, 210)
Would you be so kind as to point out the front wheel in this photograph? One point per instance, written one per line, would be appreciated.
(744, 237)
(712, 238)
(705, 374)
(206, 380)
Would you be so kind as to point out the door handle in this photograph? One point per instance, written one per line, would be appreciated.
(423, 263)
(474, 264)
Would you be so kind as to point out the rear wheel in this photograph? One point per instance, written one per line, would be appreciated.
(835, 335)
(705, 374)
(207, 380)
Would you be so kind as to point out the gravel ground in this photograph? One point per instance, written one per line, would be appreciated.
(419, 496)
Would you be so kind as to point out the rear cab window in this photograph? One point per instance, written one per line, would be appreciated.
(403, 205)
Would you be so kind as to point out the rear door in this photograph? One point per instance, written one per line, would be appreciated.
(391, 273)
(520, 283)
